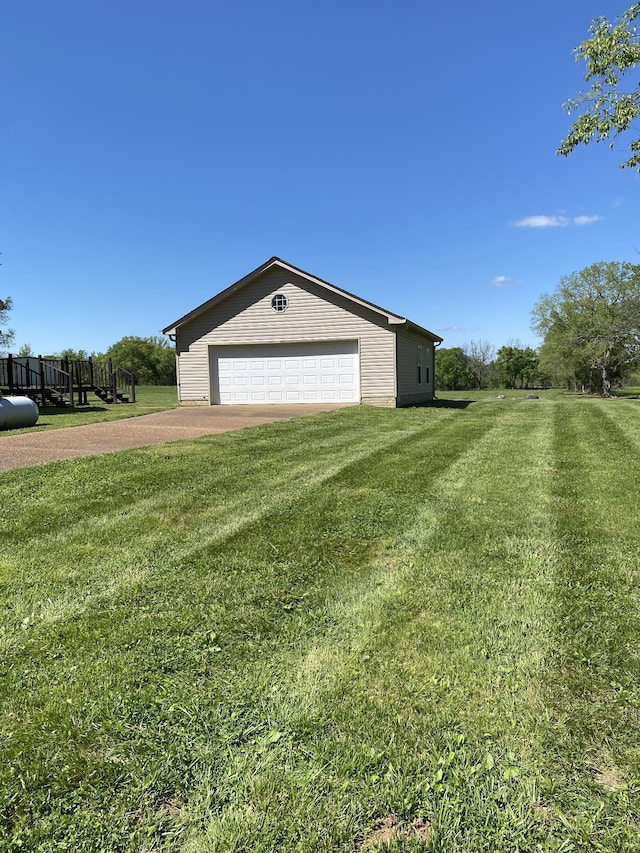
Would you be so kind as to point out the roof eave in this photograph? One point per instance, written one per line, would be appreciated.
(419, 329)
(205, 306)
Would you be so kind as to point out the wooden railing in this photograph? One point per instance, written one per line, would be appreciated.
(110, 381)
(41, 378)
(52, 381)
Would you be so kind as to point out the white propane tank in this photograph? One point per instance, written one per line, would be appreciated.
(16, 412)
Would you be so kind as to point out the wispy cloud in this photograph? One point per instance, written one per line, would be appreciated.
(543, 222)
(557, 220)
(503, 281)
(586, 220)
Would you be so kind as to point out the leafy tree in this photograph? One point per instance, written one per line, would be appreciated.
(74, 354)
(151, 359)
(6, 335)
(517, 366)
(25, 351)
(452, 373)
(591, 324)
(611, 52)
(560, 365)
(480, 356)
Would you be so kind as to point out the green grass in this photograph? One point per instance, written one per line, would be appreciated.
(276, 639)
(149, 398)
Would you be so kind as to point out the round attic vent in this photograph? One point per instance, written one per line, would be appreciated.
(279, 302)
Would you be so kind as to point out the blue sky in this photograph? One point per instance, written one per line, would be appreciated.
(153, 153)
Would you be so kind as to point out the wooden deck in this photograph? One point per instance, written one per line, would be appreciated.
(64, 382)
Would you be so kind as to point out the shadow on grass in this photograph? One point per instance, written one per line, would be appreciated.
(45, 411)
(626, 395)
(444, 404)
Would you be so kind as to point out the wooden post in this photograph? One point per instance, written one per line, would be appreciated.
(41, 366)
(112, 382)
(10, 373)
(70, 386)
(63, 364)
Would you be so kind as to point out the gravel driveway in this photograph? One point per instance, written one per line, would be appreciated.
(34, 448)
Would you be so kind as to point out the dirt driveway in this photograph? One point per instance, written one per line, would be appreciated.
(34, 448)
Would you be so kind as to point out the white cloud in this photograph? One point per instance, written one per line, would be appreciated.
(586, 220)
(503, 281)
(558, 220)
(542, 222)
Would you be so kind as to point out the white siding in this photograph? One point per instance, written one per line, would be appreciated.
(313, 314)
(409, 389)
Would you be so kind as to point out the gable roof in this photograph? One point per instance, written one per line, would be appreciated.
(392, 319)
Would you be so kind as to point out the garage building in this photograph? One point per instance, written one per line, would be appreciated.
(281, 335)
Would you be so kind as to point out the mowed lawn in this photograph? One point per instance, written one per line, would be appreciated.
(363, 630)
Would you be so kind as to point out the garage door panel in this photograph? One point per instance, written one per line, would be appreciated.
(326, 371)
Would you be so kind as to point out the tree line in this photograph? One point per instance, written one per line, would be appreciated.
(590, 326)
(478, 365)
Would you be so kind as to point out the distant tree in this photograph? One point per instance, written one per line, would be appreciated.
(6, 335)
(25, 351)
(591, 324)
(74, 354)
(452, 372)
(611, 52)
(151, 359)
(560, 365)
(491, 378)
(480, 355)
(517, 366)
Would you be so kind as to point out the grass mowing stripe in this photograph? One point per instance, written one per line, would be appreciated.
(594, 677)
(490, 639)
(130, 539)
(372, 644)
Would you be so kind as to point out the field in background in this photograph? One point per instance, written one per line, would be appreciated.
(149, 398)
(416, 628)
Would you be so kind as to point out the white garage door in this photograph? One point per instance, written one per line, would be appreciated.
(287, 373)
